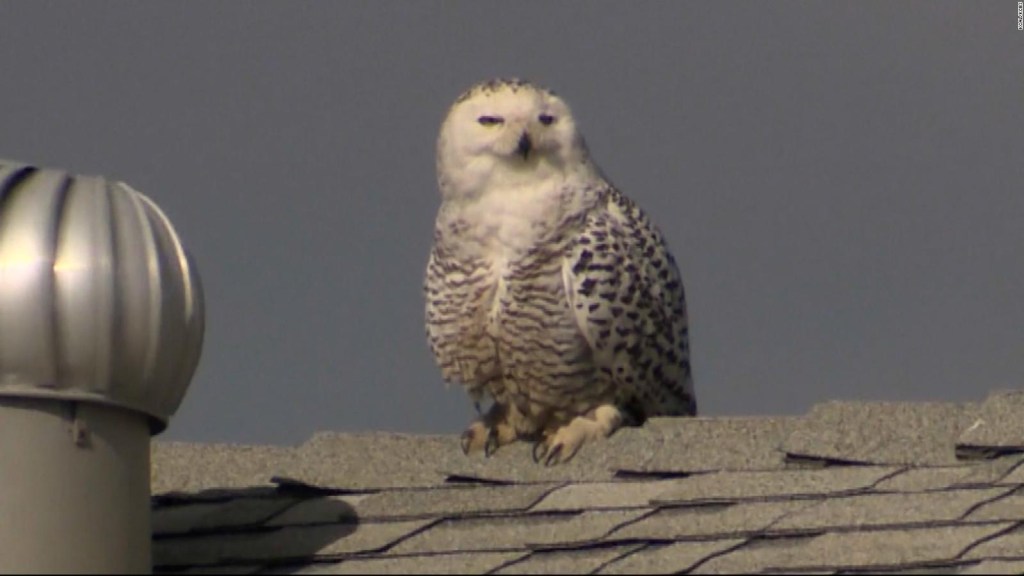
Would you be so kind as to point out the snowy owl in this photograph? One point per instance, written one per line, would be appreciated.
(548, 291)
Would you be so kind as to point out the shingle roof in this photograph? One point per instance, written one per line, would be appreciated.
(850, 487)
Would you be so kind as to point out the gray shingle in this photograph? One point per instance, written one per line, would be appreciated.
(372, 460)
(184, 467)
(712, 494)
(995, 567)
(974, 473)
(1009, 508)
(243, 512)
(447, 501)
(583, 561)
(720, 520)
(1009, 545)
(458, 563)
(223, 569)
(332, 509)
(1016, 475)
(600, 495)
(168, 520)
(926, 478)
(515, 532)
(285, 543)
(755, 556)
(931, 569)
(729, 486)
(453, 501)
(679, 445)
(669, 558)
(994, 471)
(814, 571)
(880, 433)
(514, 464)
(875, 548)
(662, 445)
(998, 423)
(888, 509)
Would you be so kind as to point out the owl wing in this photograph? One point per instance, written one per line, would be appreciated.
(442, 313)
(627, 296)
(456, 291)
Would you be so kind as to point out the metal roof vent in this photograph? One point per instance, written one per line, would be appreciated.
(101, 325)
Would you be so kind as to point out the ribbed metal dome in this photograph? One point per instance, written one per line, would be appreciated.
(99, 301)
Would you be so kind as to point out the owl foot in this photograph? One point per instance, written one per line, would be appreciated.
(562, 445)
(488, 433)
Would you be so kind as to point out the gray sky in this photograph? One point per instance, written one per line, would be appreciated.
(841, 183)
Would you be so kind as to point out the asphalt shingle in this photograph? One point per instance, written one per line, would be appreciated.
(598, 495)
(688, 445)
(997, 424)
(514, 464)
(716, 520)
(243, 512)
(1006, 546)
(515, 532)
(457, 563)
(669, 558)
(888, 509)
(1010, 507)
(334, 509)
(732, 486)
(582, 561)
(995, 567)
(864, 488)
(224, 569)
(867, 549)
(880, 433)
(921, 479)
(180, 467)
(1015, 475)
(978, 473)
(370, 461)
(453, 501)
(169, 520)
(294, 542)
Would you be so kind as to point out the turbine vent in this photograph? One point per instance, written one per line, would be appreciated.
(101, 328)
(99, 300)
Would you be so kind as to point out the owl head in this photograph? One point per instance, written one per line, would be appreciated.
(507, 132)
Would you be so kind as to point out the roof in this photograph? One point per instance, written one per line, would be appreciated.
(849, 487)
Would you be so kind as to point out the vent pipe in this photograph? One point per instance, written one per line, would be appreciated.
(101, 325)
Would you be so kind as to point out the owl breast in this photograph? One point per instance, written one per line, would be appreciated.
(546, 364)
(499, 320)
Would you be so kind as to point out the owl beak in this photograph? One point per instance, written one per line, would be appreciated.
(524, 146)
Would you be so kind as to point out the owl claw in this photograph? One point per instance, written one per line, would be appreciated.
(492, 443)
(555, 456)
(466, 441)
(550, 455)
(543, 447)
(561, 446)
(486, 435)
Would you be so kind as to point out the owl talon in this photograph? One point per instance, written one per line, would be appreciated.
(543, 447)
(486, 435)
(555, 456)
(492, 444)
(467, 441)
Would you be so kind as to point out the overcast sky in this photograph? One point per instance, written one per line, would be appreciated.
(842, 183)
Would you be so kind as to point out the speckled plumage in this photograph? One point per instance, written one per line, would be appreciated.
(548, 290)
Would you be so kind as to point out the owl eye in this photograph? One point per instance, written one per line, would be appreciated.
(546, 119)
(490, 120)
